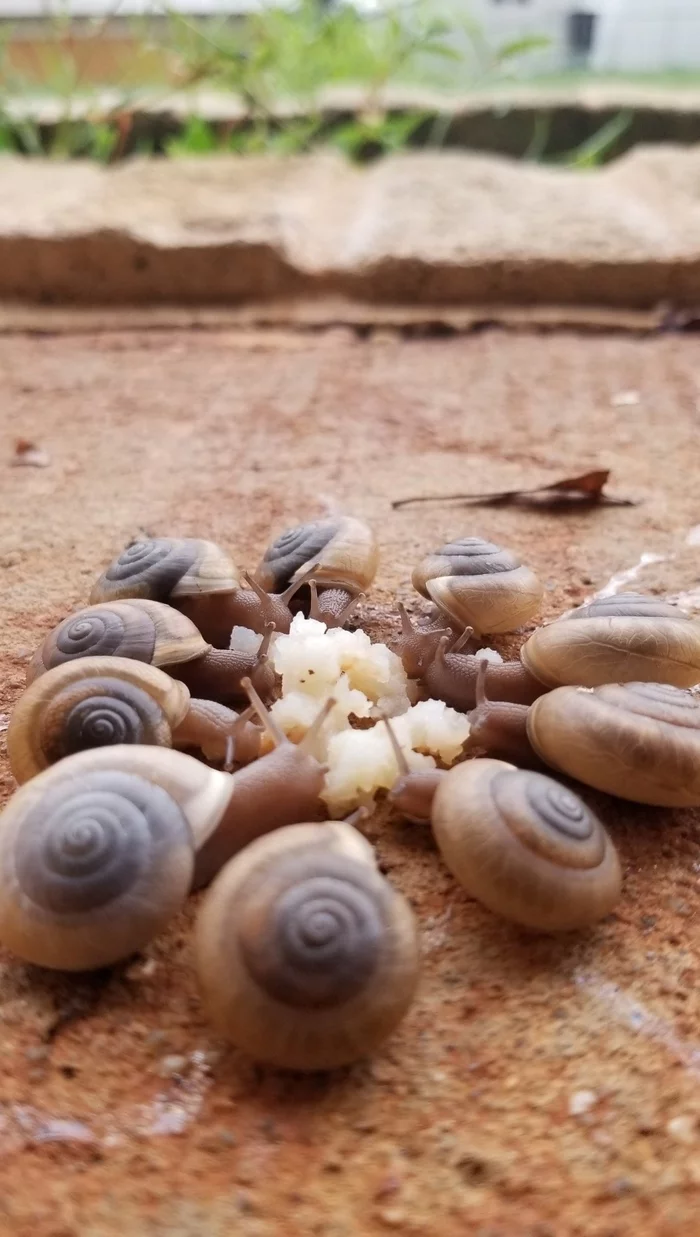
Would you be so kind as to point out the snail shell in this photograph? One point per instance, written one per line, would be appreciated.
(628, 638)
(165, 567)
(524, 846)
(640, 741)
(88, 703)
(145, 631)
(306, 956)
(343, 553)
(479, 585)
(96, 855)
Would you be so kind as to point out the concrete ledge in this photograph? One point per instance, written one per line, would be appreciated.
(420, 229)
(501, 120)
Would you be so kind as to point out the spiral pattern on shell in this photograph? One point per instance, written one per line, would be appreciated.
(99, 713)
(306, 956)
(477, 584)
(526, 847)
(626, 605)
(154, 566)
(640, 741)
(310, 934)
(101, 632)
(662, 701)
(294, 549)
(619, 639)
(546, 817)
(99, 863)
(470, 556)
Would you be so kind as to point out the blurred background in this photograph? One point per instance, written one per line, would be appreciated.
(105, 78)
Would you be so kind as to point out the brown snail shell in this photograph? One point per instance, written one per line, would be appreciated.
(477, 584)
(97, 853)
(342, 552)
(92, 702)
(161, 568)
(622, 639)
(639, 741)
(145, 631)
(307, 958)
(524, 846)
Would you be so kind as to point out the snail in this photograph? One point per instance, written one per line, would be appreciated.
(199, 579)
(627, 638)
(151, 632)
(307, 957)
(102, 701)
(526, 847)
(339, 555)
(477, 584)
(97, 855)
(446, 673)
(639, 741)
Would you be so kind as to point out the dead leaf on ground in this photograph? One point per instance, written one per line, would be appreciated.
(587, 489)
(29, 455)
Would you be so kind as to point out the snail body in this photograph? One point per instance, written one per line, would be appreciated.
(475, 583)
(280, 788)
(307, 958)
(626, 638)
(339, 555)
(197, 577)
(157, 635)
(639, 741)
(526, 847)
(103, 701)
(446, 673)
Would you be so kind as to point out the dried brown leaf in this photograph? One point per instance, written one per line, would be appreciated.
(585, 489)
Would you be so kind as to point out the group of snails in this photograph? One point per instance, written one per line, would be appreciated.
(307, 957)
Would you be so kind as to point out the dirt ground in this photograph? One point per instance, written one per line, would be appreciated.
(538, 1088)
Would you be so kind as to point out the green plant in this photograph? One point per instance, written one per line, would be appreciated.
(599, 147)
(262, 59)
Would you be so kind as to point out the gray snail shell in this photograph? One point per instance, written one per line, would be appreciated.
(307, 958)
(96, 856)
(146, 631)
(627, 638)
(477, 584)
(162, 568)
(639, 741)
(526, 847)
(92, 702)
(342, 551)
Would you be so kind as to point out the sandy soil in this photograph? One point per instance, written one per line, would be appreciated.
(539, 1088)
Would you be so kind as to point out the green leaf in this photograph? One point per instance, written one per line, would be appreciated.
(521, 47)
(595, 150)
(197, 138)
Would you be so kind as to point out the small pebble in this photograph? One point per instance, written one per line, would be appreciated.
(625, 399)
(142, 970)
(581, 1102)
(683, 1129)
(173, 1065)
(392, 1217)
(38, 1053)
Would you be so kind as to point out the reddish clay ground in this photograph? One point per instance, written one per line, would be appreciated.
(538, 1088)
